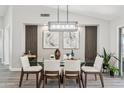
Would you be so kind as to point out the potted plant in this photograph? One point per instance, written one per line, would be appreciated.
(106, 57)
(112, 70)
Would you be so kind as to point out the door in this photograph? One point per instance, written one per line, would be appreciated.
(90, 44)
(31, 39)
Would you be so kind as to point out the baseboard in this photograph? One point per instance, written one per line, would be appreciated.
(14, 69)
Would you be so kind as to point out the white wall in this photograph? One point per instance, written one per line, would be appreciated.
(7, 25)
(31, 15)
(1, 22)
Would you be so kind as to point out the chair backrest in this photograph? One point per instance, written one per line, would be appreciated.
(113, 62)
(51, 65)
(98, 63)
(25, 61)
(72, 65)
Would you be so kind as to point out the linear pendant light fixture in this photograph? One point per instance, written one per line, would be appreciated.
(62, 26)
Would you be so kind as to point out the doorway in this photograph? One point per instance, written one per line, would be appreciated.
(121, 50)
(31, 39)
(90, 44)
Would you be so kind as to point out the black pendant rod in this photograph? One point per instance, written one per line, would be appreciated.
(58, 14)
(67, 13)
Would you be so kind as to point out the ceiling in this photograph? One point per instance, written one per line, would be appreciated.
(3, 9)
(106, 12)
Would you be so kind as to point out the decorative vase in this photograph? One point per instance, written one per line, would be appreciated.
(57, 54)
(72, 54)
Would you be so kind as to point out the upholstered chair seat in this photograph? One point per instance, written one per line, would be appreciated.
(73, 75)
(89, 69)
(51, 74)
(33, 68)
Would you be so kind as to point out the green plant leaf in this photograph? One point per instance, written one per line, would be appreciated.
(107, 56)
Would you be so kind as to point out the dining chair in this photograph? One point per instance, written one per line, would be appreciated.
(71, 71)
(27, 69)
(95, 69)
(51, 70)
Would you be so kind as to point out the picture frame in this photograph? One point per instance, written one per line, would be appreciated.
(71, 40)
(50, 39)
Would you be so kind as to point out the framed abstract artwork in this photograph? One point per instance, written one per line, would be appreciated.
(50, 39)
(71, 40)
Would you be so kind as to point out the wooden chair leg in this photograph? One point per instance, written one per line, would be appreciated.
(95, 77)
(79, 81)
(27, 76)
(44, 81)
(64, 81)
(82, 79)
(21, 78)
(59, 81)
(37, 75)
(85, 80)
(40, 81)
(101, 78)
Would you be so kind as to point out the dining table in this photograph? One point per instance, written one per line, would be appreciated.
(34, 63)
